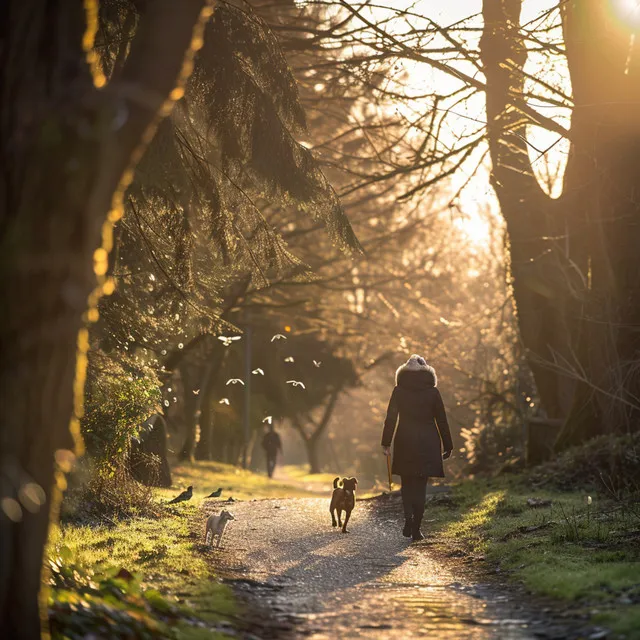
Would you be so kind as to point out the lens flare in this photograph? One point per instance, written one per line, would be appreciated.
(627, 12)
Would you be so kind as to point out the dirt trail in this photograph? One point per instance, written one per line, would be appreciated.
(306, 579)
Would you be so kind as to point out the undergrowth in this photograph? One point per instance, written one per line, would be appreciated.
(609, 463)
(581, 548)
(153, 572)
(86, 603)
(127, 564)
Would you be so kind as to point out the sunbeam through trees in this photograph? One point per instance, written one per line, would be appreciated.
(225, 224)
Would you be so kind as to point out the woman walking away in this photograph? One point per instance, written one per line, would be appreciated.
(422, 434)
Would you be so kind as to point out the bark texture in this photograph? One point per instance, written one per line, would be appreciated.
(67, 150)
(574, 269)
(312, 438)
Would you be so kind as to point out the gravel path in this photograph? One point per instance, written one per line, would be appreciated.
(301, 578)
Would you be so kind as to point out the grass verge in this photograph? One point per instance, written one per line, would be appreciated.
(239, 484)
(151, 577)
(585, 554)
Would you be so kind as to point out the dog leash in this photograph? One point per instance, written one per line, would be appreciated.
(389, 470)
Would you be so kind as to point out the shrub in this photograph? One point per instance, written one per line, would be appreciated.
(489, 446)
(119, 397)
(107, 498)
(609, 462)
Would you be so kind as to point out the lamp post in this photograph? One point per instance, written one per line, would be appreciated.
(246, 417)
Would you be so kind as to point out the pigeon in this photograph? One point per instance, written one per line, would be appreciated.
(183, 497)
(227, 340)
(268, 419)
(278, 336)
(317, 363)
(258, 371)
(289, 359)
(295, 383)
(223, 401)
(216, 493)
(235, 381)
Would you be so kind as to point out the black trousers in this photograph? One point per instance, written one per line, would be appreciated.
(414, 495)
(271, 464)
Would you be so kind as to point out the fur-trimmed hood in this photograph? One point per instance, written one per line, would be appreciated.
(415, 372)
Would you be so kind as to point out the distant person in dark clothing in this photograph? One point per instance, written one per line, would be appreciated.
(271, 444)
(422, 440)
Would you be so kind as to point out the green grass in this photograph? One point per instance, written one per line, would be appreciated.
(237, 483)
(570, 551)
(295, 482)
(172, 570)
(300, 474)
(165, 553)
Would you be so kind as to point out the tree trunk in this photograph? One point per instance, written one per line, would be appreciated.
(206, 418)
(537, 264)
(311, 446)
(312, 440)
(576, 298)
(148, 461)
(600, 199)
(204, 450)
(189, 380)
(64, 166)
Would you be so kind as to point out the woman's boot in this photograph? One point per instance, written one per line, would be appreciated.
(416, 534)
(408, 508)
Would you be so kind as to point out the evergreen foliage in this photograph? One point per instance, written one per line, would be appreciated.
(119, 397)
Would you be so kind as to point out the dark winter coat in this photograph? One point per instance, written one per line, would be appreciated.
(271, 443)
(423, 432)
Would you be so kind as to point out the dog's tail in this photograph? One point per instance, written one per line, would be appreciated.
(336, 482)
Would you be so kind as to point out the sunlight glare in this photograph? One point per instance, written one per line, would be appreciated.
(475, 227)
(627, 12)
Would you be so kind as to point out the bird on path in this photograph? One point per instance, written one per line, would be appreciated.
(183, 497)
(216, 493)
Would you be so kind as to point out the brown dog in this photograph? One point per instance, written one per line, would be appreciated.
(343, 499)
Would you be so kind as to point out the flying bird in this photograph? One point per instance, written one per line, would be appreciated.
(268, 419)
(296, 383)
(223, 401)
(183, 497)
(258, 371)
(278, 336)
(227, 340)
(289, 359)
(235, 381)
(196, 392)
(317, 363)
(216, 493)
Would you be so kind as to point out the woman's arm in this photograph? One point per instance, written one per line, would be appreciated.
(443, 425)
(390, 420)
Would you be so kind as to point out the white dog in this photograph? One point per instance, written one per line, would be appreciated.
(216, 526)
